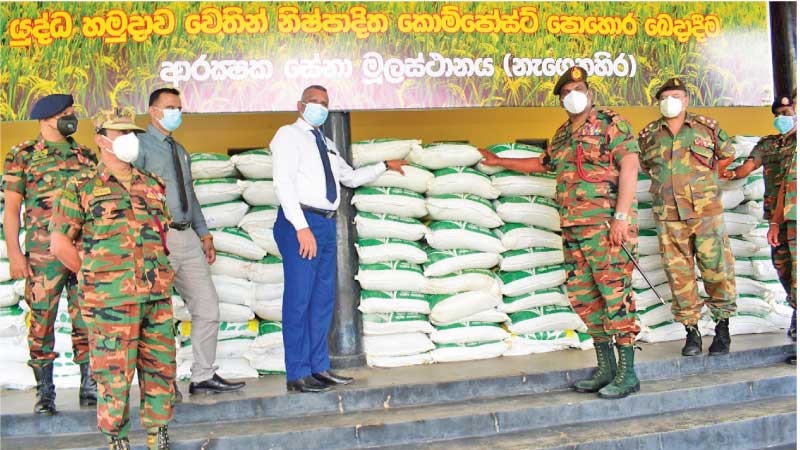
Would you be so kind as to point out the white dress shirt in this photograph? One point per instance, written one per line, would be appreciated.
(299, 176)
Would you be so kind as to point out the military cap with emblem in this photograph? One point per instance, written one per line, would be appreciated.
(780, 102)
(575, 73)
(51, 105)
(673, 84)
(120, 119)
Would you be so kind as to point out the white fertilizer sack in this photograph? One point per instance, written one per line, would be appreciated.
(414, 178)
(254, 164)
(525, 281)
(543, 297)
(378, 226)
(259, 192)
(237, 242)
(517, 236)
(373, 251)
(395, 201)
(542, 342)
(540, 212)
(443, 262)
(391, 276)
(263, 237)
(377, 302)
(545, 318)
(395, 323)
(463, 207)
(465, 332)
(212, 165)
(397, 344)
(469, 352)
(450, 235)
(439, 156)
(217, 190)
(510, 183)
(399, 361)
(259, 217)
(449, 308)
(739, 224)
(513, 151)
(462, 180)
(378, 150)
(530, 258)
(221, 215)
(267, 270)
(233, 290)
(464, 280)
(231, 265)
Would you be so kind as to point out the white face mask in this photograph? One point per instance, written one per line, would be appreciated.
(575, 102)
(671, 107)
(125, 147)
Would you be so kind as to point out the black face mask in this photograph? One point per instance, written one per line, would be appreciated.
(67, 125)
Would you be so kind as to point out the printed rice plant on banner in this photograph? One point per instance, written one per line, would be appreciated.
(253, 56)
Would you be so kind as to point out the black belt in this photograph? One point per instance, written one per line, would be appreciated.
(180, 226)
(326, 213)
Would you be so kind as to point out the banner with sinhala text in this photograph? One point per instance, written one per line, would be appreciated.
(251, 56)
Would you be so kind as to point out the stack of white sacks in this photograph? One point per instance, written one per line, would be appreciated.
(761, 299)
(238, 200)
(13, 327)
(447, 301)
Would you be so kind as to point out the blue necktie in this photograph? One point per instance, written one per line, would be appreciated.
(330, 183)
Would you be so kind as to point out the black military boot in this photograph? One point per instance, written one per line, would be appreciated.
(157, 438)
(792, 333)
(88, 392)
(721, 344)
(694, 343)
(45, 390)
(178, 396)
(119, 444)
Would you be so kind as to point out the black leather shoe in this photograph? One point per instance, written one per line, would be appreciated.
(792, 360)
(215, 384)
(178, 395)
(331, 379)
(694, 343)
(307, 384)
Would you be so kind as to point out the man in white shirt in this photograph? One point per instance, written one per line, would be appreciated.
(307, 170)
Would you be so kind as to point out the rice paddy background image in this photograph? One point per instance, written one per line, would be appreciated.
(724, 63)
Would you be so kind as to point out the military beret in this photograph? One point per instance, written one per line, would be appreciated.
(116, 119)
(575, 73)
(51, 105)
(781, 101)
(673, 84)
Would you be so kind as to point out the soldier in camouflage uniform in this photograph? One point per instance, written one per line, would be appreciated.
(119, 214)
(684, 154)
(595, 157)
(35, 172)
(772, 152)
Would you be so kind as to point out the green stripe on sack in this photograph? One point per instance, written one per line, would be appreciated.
(200, 157)
(552, 335)
(555, 290)
(435, 256)
(257, 152)
(511, 173)
(394, 317)
(498, 148)
(529, 251)
(392, 265)
(269, 327)
(485, 272)
(232, 202)
(468, 344)
(528, 199)
(455, 225)
(539, 311)
(392, 295)
(458, 171)
(210, 181)
(388, 217)
(13, 310)
(509, 277)
(388, 191)
(467, 197)
(386, 241)
(238, 232)
(468, 325)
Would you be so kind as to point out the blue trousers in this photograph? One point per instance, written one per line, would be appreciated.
(309, 295)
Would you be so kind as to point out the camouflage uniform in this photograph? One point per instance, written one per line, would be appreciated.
(790, 219)
(772, 152)
(38, 170)
(688, 213)
(599, 275)
(126, 279)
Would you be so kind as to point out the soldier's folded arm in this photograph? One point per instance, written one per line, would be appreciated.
(65, 227)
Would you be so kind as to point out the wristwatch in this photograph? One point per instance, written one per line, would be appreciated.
(621, 216)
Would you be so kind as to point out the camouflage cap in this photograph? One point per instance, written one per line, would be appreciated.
(116, 119)
(673, 84)
(783, 100)
(575, 73)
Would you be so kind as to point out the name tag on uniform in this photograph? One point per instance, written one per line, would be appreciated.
(101, 191)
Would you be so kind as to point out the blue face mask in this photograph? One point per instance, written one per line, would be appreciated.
(172, 119)
(784, 124)
(315, 114)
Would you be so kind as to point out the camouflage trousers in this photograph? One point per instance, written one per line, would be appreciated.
(782, 260)
(599, 282)
(791, 239)
(42, 293)
(705, 240)
(127, 338)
